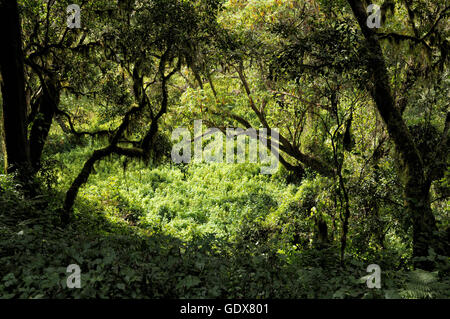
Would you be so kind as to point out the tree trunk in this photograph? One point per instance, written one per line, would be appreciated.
(13, 90)
(48, 103)
(81, 180)
(2, 141)
(418, 206)
(416, 189)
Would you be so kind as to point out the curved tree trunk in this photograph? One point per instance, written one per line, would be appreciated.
(81, 179)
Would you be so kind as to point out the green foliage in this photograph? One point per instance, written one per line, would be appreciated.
(145, 227)
(126, 261)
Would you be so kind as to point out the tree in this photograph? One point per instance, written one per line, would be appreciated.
(330, 48)
(52, 53)
(149, 43)
(13, 91)
(417, 180)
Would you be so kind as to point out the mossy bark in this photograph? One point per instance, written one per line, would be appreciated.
(416, 187)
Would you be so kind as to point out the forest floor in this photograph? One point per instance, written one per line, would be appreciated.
(150, 231)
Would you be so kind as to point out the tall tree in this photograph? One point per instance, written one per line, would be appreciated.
(418, 179)
(13, 89)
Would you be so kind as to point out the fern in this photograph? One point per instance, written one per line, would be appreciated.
(422, 284)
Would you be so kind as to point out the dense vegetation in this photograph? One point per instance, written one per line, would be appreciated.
(88, 175)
